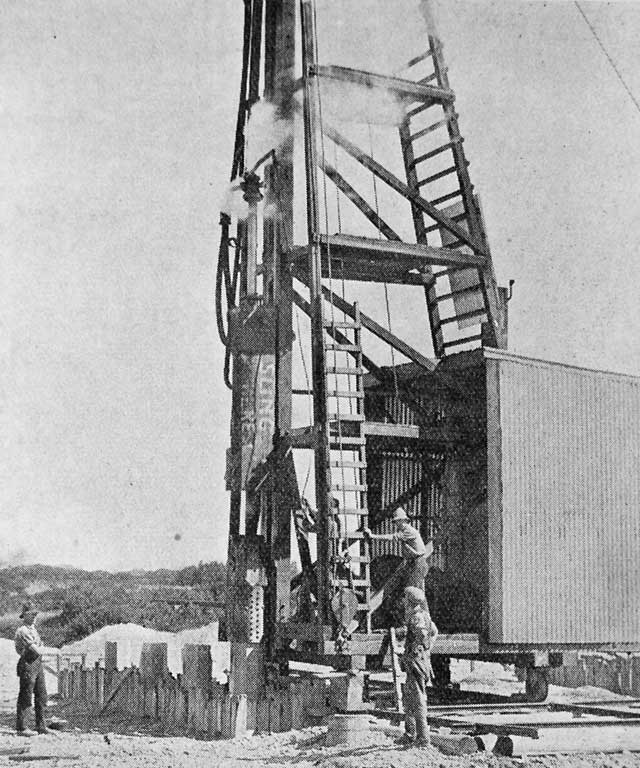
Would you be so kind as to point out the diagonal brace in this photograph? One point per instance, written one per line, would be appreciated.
(361, 204)
(394, 182)
(379, 373)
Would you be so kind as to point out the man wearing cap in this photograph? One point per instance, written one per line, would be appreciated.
(30, 671)
(414, 551)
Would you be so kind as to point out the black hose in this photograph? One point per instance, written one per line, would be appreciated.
(223, 278)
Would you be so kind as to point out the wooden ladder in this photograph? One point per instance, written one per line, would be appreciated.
(347, 470)
(458, 300)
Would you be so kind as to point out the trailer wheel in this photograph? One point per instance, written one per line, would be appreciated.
(441, 666)
(537, 684)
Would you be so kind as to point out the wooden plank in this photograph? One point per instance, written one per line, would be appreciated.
(385, 254)
(399, 85)
(598, 709)
(395, 668)
(115, 691)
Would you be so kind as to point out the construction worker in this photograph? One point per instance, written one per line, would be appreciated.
(30, 670)
(421, 634)
(414, 551)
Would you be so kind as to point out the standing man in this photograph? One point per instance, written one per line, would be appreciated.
(420, 637)
(31, 672)
(414, 551)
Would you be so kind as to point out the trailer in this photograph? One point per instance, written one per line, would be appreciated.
(528, 484)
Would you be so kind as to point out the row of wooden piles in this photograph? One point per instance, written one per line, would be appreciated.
(618, 673)
(192, 701)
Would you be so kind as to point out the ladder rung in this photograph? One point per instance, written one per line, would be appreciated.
(446, 198)
(460, 292)
(348, 464)
(360, 559)
(346, 393)
(459, 217)
(462, 316)
(419, 58)
(439, 175)
(339, 442)
(477, 313)
(465, 340)
(346, 371)
(343, 347)
(346, 417)
(420, 108)
(437, 151)
(429, 129)
(341, 324)
(355, 511)
(348, 488)
(428, 79)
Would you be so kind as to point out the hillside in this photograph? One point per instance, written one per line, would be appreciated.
(74, 602)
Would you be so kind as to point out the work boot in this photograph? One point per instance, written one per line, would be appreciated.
(42, 729)
(25, 732)
(422, 741)
(406, 740)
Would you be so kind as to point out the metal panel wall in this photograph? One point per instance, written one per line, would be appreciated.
(564, 490)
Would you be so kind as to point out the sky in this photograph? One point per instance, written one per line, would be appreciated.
(117, 125)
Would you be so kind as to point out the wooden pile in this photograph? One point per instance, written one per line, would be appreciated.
(193, 701)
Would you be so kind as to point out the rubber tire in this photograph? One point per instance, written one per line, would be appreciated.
(536, 685)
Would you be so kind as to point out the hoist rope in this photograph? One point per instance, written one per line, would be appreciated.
(609, 59)
(386, 286)
(326, 223)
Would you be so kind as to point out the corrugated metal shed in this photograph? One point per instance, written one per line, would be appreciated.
(564, 503)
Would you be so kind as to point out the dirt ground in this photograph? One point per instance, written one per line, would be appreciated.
(91, 742)
(113, 740)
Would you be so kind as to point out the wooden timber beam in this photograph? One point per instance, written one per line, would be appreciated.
(361, 204)
(383, 255)
(370, 324)
(303, 437)
(340, 338)
(382, 333)
(408, 88)
(394, 182)
(381, 375)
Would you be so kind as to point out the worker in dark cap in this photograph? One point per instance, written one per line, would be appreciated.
(31, 672)
(414, 550)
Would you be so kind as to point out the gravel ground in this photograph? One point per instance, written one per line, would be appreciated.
(103, 742)
(91, 742)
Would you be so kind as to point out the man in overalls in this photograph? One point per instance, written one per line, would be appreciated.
(420, 637)
(31, 672)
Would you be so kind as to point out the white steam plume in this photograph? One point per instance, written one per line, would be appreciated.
(265, 131)
(233, 202)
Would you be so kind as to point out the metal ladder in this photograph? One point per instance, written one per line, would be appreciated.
(347, 468)
(436, 168)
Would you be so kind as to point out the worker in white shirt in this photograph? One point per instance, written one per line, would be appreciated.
(413, 548)
(30, 672)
